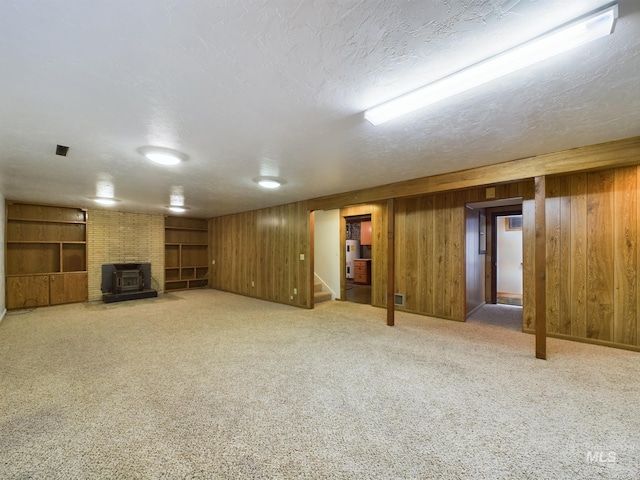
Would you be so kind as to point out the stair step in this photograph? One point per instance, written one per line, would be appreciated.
(317, 287)
(321, 297)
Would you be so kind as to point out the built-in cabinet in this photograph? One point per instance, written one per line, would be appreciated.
(46, 255)
(362, 271)
(186, 253)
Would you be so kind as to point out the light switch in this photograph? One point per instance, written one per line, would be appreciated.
(302, 256)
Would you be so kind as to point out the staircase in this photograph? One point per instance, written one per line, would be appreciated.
(319, 295)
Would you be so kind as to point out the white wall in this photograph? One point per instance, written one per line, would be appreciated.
(2, 281)
(509, 259)
(327, 249)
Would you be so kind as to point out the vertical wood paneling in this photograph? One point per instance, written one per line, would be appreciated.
(439, 237)
(600, 255)
(564, 291)
(430, 258)
(426, 237)
(578, 276)
(430, 269)
(405, 255)
(379, 229)
(552, 207)
(626, 260)
(592, 255)
(456, 264)
(591, 264)
(528, 260)
(257, 254)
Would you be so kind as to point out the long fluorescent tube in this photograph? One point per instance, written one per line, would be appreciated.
(599, 23)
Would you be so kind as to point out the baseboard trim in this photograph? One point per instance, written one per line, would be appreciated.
(3, 314)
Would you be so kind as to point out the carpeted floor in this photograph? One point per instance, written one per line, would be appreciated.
(499, 315)
(205, 384)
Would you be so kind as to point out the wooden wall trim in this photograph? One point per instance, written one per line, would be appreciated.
(591, 157)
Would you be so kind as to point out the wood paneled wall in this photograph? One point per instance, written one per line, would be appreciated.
(430, 249)
(592, 255)
(257, 254)
(592, 222)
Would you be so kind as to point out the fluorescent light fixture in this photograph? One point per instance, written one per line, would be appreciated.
(268, 182)
(177, 209)
(162, 155)
(597, 24)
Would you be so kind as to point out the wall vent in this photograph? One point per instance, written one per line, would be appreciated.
(398, 299)
(61, 150)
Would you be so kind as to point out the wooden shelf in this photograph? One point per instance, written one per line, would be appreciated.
(186, 229)
(187, 243)
(35, 220)
(186, 253)
(44, 273)
(57, 242)
(45, 255)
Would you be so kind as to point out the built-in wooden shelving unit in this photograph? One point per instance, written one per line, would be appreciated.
(46, 255)
(186, 253)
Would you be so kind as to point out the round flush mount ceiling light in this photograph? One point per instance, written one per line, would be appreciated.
(177, 208)
(162, 155)
(106, 201)
(268, 182)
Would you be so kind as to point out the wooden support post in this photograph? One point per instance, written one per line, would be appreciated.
(312, 257)
(343, 258)
(391, 284)
(540, 257)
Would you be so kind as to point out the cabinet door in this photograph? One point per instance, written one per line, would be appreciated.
(365, 233)
(68, 288)
(27, 291)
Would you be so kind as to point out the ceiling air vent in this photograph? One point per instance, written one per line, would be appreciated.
(61, 150)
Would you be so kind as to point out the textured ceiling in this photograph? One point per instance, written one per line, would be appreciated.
(278, 87)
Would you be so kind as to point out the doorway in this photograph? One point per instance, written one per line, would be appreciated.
(494, 262)
(506, 288)
(358, 259)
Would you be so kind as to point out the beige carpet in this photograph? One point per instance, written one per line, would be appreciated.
(205, 384)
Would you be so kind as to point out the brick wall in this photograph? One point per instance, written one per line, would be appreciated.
(120, 237)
